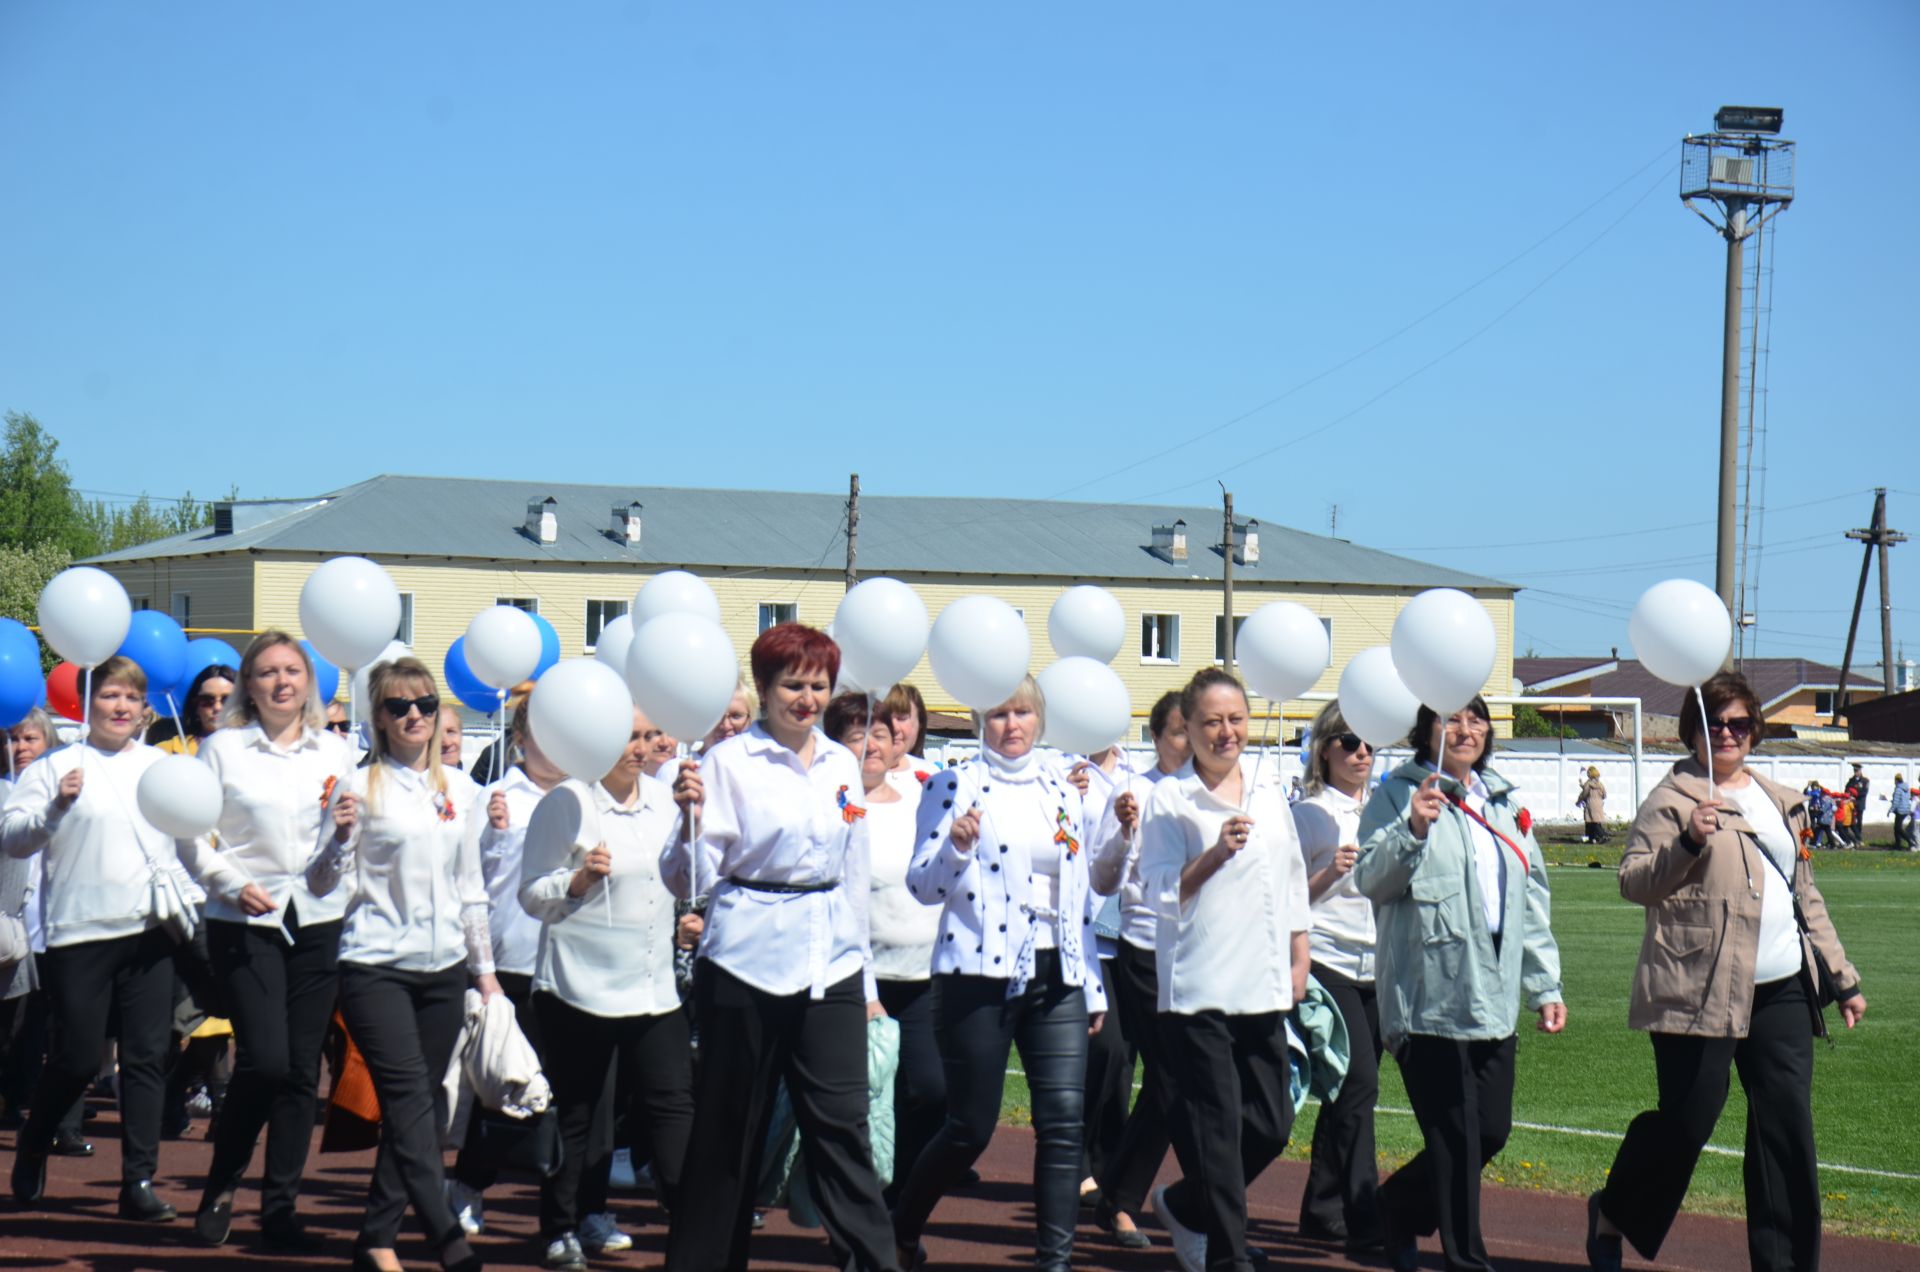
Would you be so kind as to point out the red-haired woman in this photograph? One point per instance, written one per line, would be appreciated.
(783, 985)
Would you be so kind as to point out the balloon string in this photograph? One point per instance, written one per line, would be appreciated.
(1706, 738)
(691, 820)
(1246, 796)
(173, 709)
(86, 703)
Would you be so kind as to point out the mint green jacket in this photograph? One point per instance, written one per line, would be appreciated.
(1436, 968)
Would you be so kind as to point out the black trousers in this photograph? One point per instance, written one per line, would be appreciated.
(24, 1037)
(280, 996)
(1655, 1163)
(1462, 1097)
(467, 1166)
(1597, 832)
(1232, 1113)
(1134, 991)
(1110, 1062)
(920, 1083)
(1343, 1178)
(819, 1046)
(978, 1025)
(405, 1025)
(1902, 831)
(85, 982)
(648, 1056)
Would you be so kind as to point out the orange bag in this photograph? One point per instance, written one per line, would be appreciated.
(353, 1107)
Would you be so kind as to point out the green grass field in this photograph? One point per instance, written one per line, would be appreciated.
(1598, 1074)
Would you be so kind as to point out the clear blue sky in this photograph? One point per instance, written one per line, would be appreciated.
(988, 248)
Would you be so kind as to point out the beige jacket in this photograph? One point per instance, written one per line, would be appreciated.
(1695, 974)
(1593, 798)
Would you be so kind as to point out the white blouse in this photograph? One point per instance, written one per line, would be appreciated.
(769, 819)
(903, 930)
(1115, 860)
(1228, 947)
(609, 951)
(1343, 936)
(1779, 954)
(415, 901)
(99, 854)
(516, 934)
(990, 895)
(273, 803)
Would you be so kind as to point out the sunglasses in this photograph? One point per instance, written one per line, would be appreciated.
(339, 726)
(397, 708)
(1350, 742)
(1736, 728)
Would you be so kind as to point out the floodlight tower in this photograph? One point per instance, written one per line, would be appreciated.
(1745, 171)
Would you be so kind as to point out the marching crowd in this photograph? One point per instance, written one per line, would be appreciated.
(824, 882)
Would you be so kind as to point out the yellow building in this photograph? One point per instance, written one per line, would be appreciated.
(577, 554)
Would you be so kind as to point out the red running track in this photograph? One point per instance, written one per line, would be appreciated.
(986, 1228)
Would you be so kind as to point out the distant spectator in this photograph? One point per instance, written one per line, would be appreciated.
(1857, 788)
(1820, 811)
(1593, 799)
(1902, 802)
(451, 737)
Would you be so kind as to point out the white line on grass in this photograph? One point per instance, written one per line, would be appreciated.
(1588, 1133)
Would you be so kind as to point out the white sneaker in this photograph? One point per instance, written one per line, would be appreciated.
(622, 1174)
(600, 1235)
(467, 1207)
(564, 1254)
(1189, 1247)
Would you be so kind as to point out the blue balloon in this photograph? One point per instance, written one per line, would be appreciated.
(326, 676)
(465, 685)
(549, 646)
(16, 633)
(22, 687)
(156, 642)
(202, 653)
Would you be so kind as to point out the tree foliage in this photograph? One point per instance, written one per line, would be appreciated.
(39, 507)
(1530, 722)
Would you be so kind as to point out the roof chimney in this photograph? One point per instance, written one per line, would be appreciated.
(1170, 542)
(543, 526)
(626, 524)
(1246, 543)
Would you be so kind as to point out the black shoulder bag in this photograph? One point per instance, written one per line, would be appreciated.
(1818, 976)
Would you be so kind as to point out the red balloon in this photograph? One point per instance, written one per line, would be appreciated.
(63, 690)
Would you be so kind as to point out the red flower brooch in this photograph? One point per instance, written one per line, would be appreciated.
(326, 790)
(1526, 821)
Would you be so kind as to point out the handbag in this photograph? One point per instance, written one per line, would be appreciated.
(165, 901)
(504, 1142)
(1817, 975)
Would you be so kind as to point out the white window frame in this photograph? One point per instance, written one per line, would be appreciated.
(180, 609)
(1219, 630)
(142, 603)
(1166, 630)
(593, 629)
(531, 604)
(404, 632)
(774, 613)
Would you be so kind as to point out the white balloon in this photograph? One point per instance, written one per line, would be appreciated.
(615, 637)
(350, 610)
(1282, 650)
(1087, 707)
(1443, 648)
(1376, 703)
(682, 670)
(567, 814)
(979, 651)
(84, 614)
(582, 716)
(674, 592)
(1087, 621)
(503, 647)
(180, 796)
(357, 688)
(1681, 632)
(881, 628)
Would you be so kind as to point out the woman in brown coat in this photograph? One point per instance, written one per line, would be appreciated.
(1727, 976)
(1593, 798)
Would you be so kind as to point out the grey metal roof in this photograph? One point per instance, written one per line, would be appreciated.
(472, 519)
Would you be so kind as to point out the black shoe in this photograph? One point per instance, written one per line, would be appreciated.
(1090, 1198)
(1313, 1228)
(137, 1201)
(29, 1176)
(288, 1235)
(1105, 1218)
(1603, 1253)
(70, 1144)
(214, 1220)
(1368, 1245)
(456, 1255)
(1400, 1250)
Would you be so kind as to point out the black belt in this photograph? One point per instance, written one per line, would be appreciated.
(760, 885)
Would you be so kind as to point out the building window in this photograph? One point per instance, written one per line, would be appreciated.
(182, 609)
(1159, 638)
(404, 632)
(1823, 703)
(531, 604)
(774, 613)
(142, 603)
(599, 614)
(1220, 635)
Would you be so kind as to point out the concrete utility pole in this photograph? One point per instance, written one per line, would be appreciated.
(1226, 581)
(1876, 537)
(1745, 172)
(853, 532)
